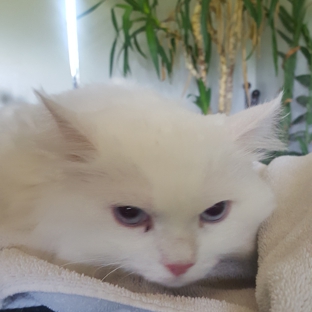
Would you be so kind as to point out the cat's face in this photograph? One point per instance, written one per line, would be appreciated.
(164, 193)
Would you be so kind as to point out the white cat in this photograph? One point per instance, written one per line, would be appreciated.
(117, 174)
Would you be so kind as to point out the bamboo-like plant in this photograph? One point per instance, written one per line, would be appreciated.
(294, 31)
(307, 51)
(231, 24)
(293, 24)
(190, 31)
(194, 25)
(304, 137)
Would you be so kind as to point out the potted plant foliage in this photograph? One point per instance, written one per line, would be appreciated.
(233, 27)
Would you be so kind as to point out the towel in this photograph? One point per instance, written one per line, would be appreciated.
(283, 281)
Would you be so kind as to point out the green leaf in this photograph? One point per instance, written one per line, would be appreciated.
(178, 12)
(298, 11)
(307, 54)
(274, 51)
(251, 52)
(307, 38)
(285, 37)
(296, 135)
(278, 154)
(124, 6)
(271, 14)
(306, 33)
(136, 44)
(203, 26)
(126, 25)
(114, 20)
(154, 4)
(303, 100)
(252, 11)
(141, 3)
(173, 44)
(299, 119)
(193, 53)
(172, 51)
(304, 147)
(138, 31)
(153, 45)
(126, 19)
(309, 118)
(186, 25)
(286, 19)
(164, 58)
(300, 134)
(203, 100)
(259, 11)
(126, 67)
(94, 7)
(139, 19)
(135, 6)
(281, 54)
(208, 97)
(135, 41)
(112, 56)
(146, 7)
(305, 80)
(272, 9)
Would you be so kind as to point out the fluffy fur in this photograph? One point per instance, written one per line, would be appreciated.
(64, 164)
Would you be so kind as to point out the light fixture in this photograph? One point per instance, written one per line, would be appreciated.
(72, 40)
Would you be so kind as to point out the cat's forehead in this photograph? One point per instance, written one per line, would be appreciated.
(177, 152)
(163, 137)
(129, 112)
(139, 128)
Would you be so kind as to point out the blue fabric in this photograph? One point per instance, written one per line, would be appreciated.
(65, 303)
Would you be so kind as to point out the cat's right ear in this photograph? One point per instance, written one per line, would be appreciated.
(256, 129)
(79, 147)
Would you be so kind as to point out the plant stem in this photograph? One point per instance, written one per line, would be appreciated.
(298, 11)
(289, 77)
(309, 105)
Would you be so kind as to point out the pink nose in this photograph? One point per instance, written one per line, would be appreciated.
(178, 269)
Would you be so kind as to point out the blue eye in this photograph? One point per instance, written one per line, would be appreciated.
(130, 216)
(215, 213)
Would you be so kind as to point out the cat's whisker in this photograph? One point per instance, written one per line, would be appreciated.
(78, 262)
(125, 276)
(119, 267)
(105, 266)
(91, 261)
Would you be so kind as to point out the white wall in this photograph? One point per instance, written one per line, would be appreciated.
(33, 49)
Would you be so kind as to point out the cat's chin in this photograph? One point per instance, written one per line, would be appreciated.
(177, 283)
(174, 282)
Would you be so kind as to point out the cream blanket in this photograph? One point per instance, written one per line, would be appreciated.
(283, 283)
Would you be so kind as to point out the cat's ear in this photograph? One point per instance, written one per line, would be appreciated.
(78, 146)
(256, 129)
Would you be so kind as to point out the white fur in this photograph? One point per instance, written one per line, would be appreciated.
(60, 174)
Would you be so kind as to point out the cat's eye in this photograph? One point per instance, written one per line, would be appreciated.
(215, 213)
(130, 216)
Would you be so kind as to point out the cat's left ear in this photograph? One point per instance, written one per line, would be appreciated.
(79, 147)
(256, 129)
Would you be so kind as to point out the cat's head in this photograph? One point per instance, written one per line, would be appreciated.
(153, 188)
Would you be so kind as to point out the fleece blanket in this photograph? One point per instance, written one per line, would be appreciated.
(283, 280)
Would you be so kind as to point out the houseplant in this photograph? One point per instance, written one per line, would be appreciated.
(194, 26)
